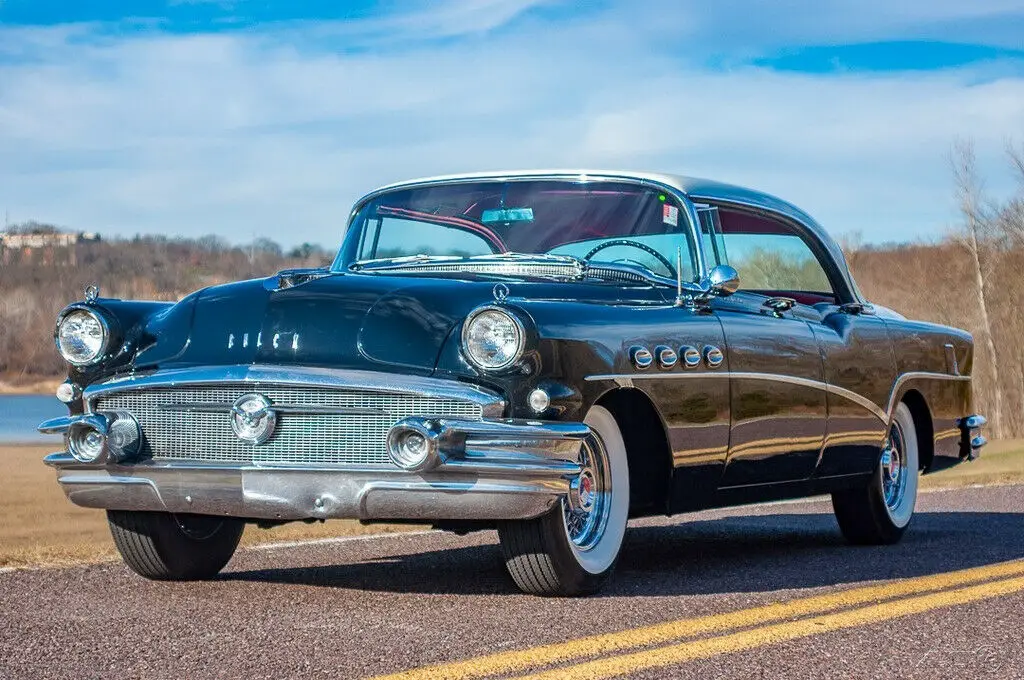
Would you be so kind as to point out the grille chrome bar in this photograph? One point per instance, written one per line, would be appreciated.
(226, 407)
(340, 418)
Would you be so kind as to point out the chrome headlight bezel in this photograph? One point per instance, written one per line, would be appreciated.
(104, 324)
(518, 327)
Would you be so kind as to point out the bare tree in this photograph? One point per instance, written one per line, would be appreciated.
(969, 194)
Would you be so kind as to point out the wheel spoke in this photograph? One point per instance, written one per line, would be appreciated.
(586, 514)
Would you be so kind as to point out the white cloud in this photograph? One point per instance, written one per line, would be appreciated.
(256, 132)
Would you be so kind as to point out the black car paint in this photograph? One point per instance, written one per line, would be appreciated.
(732, 439)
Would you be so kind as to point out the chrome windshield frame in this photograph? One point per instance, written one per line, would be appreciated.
(700, 260)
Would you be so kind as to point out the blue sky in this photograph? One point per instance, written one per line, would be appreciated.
(266, 118)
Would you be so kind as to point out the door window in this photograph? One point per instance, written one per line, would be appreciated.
(769, 255)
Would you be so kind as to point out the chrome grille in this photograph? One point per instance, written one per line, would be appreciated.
(349, 439)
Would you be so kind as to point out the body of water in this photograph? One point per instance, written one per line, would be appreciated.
(21, 413)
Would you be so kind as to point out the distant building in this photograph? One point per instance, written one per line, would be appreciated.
(46, 247)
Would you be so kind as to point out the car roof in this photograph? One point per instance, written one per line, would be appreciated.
(695, 188)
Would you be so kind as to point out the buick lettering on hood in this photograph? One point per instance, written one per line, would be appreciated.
(547, 354)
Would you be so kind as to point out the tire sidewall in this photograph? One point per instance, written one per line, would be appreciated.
(586, 570)
(900, 520)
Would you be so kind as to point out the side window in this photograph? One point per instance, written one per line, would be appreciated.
(768, 254)
(395, 237)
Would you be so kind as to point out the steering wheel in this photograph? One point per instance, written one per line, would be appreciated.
(635, 244)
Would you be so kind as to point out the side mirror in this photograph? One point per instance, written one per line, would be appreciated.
(723, 280)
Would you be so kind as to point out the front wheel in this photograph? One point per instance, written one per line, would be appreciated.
(879, 513)
(167, 547)
(572, 550)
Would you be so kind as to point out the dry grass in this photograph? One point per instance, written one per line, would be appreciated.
(15, 386)
(38, 526)
(1001, 462)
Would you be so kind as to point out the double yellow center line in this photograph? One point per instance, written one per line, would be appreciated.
(671, 643)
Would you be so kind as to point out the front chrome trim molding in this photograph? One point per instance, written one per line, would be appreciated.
(884, 415)
(63, 425)
(264, 374)
(485, 470)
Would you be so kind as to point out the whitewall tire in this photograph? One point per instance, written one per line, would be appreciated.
(880, 512)
(573, 549)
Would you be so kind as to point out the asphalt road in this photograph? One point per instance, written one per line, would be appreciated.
(759, 592)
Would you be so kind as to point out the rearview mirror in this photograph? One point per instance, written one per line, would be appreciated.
(723, 280)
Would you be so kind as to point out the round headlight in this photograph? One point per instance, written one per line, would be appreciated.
(82, 337)
(493, 339)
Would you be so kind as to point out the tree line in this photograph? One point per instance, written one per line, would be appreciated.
(973, 278)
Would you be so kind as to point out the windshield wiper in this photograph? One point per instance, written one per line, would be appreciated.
(404, 260)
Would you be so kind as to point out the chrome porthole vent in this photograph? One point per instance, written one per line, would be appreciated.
(690, 356)
(667, 357)
(641, 357)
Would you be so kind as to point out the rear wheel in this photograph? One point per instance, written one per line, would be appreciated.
(879, 513)
(168, 547)
(572, 550)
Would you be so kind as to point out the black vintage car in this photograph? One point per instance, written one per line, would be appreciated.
(544, 353)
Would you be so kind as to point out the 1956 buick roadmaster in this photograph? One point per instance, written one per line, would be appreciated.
(544, 353)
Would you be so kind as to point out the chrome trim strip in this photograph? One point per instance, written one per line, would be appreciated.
(884, 415)
(918, 375)
(61, 425)
(371, 381)
(311, 409)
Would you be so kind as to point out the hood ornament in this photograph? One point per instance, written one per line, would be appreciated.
(91, 293)
(500, 291)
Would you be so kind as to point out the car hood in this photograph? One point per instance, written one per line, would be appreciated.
(340, 321)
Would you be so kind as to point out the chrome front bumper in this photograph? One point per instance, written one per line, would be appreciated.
(484, 470)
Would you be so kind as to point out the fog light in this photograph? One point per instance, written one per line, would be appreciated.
(86, 443)
(411, 449)
(539, 400)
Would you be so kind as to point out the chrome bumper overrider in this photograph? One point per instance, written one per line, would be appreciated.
(484, 469)
(971, 439)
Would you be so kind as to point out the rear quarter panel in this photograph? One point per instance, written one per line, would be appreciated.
(937, 362)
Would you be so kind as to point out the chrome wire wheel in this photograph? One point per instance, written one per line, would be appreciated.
(572, 549)
(894, 469)
(899, 466)
(586, 507)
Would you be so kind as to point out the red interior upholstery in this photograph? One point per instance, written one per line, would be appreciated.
(803, 297)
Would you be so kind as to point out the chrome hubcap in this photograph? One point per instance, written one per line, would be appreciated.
(894, 468)
(586, 506)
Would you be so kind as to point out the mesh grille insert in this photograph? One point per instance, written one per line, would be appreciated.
(349, 439)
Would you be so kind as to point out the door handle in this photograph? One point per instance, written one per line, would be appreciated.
(778, 305)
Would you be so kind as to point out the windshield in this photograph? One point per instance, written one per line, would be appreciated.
(609, 221)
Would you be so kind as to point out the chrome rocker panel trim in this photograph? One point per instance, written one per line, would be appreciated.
(488, 470)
